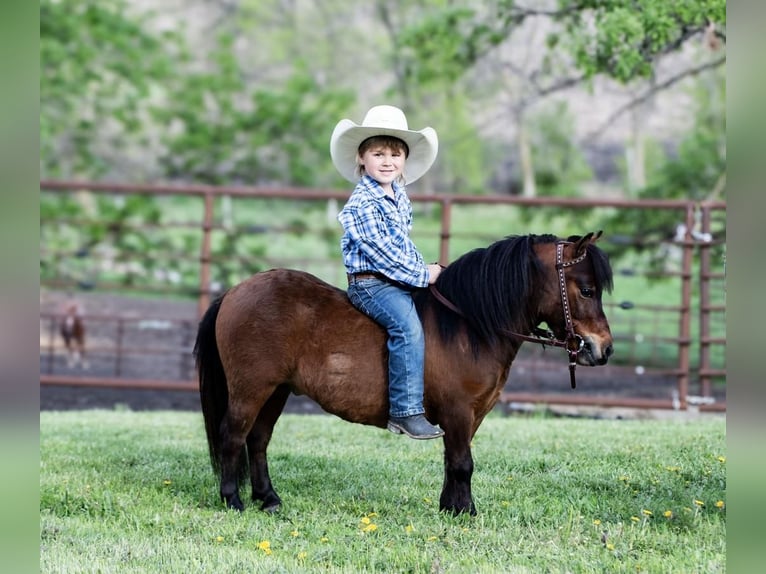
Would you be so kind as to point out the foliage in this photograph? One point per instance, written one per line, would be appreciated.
(478, 45)
(107, 85)
(601, 36)
(121, 100)
(695, 170)
(134, 492)
(98, 69)
(560, 167)
(624, 41)
(226, 131)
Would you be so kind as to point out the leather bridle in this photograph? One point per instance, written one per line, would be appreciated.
(573, 343)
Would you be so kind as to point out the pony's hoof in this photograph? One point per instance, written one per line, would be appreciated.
(458, 510)
(234, 503)
(272, 507)
(271, 503)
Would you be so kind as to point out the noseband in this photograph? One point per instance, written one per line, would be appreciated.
(573, 343)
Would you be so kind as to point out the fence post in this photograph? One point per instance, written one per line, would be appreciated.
(445, 231)
(684, 335)
(118, 346)
(204, 257)
(705, 308)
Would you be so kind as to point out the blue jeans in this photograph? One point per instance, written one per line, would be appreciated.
(394, 309)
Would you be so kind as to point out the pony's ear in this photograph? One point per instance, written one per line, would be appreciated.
(597, 235)
(582, 244)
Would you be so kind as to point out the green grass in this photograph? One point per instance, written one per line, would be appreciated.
(133, 492)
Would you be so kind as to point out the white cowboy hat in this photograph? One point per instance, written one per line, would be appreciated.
(379, 121)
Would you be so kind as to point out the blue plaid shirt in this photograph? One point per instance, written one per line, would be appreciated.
(376, 234)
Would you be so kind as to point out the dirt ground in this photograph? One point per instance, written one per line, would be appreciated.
(156, 337)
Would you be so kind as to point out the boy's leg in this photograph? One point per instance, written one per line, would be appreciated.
(394, 309)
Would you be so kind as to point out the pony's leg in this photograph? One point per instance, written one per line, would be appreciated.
(235, 427)
(458, 469)
(69, 354)
(83, 360)
(257, 443)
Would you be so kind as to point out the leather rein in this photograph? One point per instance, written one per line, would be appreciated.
(573, 343)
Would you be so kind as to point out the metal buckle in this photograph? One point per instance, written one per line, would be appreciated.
(580, 345)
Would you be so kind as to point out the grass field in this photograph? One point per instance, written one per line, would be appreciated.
(122, 491)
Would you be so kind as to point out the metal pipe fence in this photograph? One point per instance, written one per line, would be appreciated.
(679, 343)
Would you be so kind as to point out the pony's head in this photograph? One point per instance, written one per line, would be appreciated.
(513, 285)
(587, 274)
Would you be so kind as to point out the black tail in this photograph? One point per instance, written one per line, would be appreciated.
(213, 390)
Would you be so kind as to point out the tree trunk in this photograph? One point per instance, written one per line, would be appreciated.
(525, 156)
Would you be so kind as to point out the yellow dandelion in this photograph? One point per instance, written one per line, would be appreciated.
(370, 528)
(719, 504)
(426, 500)
(623, 478)
(302, 555)
(265, 545)
(167, 482)
(668, 514)
(721, 459)
(365, 520)
(509, 478)
(219, 538)
(431, 538)
(646, 512)
(409, 528)
(372, 514)
(673, 468)
(635, 519)
(596, 522)
(294, 533)
(699, 502)
(324, 539)
(610, 546)
(505, 503)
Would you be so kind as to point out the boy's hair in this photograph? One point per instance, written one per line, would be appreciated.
(390, 142)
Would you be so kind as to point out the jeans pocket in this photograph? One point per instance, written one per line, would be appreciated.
(362, 294)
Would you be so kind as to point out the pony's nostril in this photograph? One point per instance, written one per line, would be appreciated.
(608, 351)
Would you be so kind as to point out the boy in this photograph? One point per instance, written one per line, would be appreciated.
(382, 262)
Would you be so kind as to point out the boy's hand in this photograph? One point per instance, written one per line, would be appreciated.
(433, 272)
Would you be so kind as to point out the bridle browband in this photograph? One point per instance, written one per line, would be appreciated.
(573, 343)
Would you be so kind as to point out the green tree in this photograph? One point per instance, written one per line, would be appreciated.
(99, 69)
(695, 170)
(225, 130)
(614, 37)
(583, 39)
(560, 168)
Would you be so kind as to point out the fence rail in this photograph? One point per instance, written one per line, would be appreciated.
(694, 324)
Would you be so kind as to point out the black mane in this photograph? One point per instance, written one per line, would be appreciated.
(495, 287)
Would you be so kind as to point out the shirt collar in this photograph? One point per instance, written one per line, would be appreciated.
(372, 186)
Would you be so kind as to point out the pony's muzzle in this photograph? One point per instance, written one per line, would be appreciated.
(593, 354)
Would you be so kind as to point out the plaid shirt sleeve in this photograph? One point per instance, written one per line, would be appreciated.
(376, 235)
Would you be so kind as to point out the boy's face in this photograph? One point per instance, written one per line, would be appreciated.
(384, 164)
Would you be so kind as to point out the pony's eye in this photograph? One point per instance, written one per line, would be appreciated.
(586, 292)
